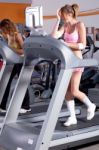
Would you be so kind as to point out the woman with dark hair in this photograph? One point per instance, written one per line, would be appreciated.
(15, 42)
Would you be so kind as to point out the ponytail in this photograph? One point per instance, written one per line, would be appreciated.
(75, 8)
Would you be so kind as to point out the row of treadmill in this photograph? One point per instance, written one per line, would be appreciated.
(42, 128)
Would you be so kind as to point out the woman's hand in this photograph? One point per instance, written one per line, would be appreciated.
(59, 14)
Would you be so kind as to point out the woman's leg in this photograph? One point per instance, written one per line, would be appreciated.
(75, 82)
(26, 101)
(6, 94)
(71, 107)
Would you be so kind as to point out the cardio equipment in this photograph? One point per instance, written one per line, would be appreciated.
(89, 79)
(9, 58)
(16, 135)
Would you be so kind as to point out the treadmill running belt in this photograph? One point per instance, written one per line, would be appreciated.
(81, 124)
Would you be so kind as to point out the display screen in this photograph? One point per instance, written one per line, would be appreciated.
(34, 17)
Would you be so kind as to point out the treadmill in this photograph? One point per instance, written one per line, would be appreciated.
(39, 108)
(9, 58)
(33, 136)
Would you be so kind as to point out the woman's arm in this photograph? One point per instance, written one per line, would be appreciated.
(56, 32)
(82, 38)
(20, 41)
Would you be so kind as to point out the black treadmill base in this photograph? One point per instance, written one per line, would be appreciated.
(81, 124)
(76, 145)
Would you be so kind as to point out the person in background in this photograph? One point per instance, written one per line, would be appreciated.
(26, 33)
(74, 35)
(14, 39)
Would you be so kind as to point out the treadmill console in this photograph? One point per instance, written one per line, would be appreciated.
(34, 17)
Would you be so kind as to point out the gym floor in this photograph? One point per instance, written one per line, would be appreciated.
(94, 146)
(91, 146)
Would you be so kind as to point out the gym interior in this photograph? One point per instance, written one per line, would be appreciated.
(38, 65)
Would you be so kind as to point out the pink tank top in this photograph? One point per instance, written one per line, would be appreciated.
(71, 37)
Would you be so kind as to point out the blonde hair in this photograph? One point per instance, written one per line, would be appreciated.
(73, 9)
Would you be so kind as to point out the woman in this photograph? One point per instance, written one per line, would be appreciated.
(15, 42)
(74, 35)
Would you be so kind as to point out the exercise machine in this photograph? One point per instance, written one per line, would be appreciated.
(12, 131)
(9, 58)
(28, 136)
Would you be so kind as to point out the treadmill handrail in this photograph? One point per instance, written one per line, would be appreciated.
(36, 47)
(9, 55)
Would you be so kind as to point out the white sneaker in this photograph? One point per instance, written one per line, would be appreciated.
(91, 112)
(23, 111)
(70, 121)
(2, 110)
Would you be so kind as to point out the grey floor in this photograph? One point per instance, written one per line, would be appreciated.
(94, 146)
(91, 147)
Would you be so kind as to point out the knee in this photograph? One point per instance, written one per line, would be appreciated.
(75, 92)
(69, 96)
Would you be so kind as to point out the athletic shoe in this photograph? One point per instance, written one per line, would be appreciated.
(70, 121)
(91, 112)
(23, 111)
(2, 110)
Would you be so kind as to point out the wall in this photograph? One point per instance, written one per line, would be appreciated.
(13, 11)
(50, 8)
(16, 1)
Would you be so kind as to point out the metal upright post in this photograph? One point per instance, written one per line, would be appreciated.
(54, 110)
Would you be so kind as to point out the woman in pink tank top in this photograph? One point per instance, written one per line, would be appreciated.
(74, 35)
